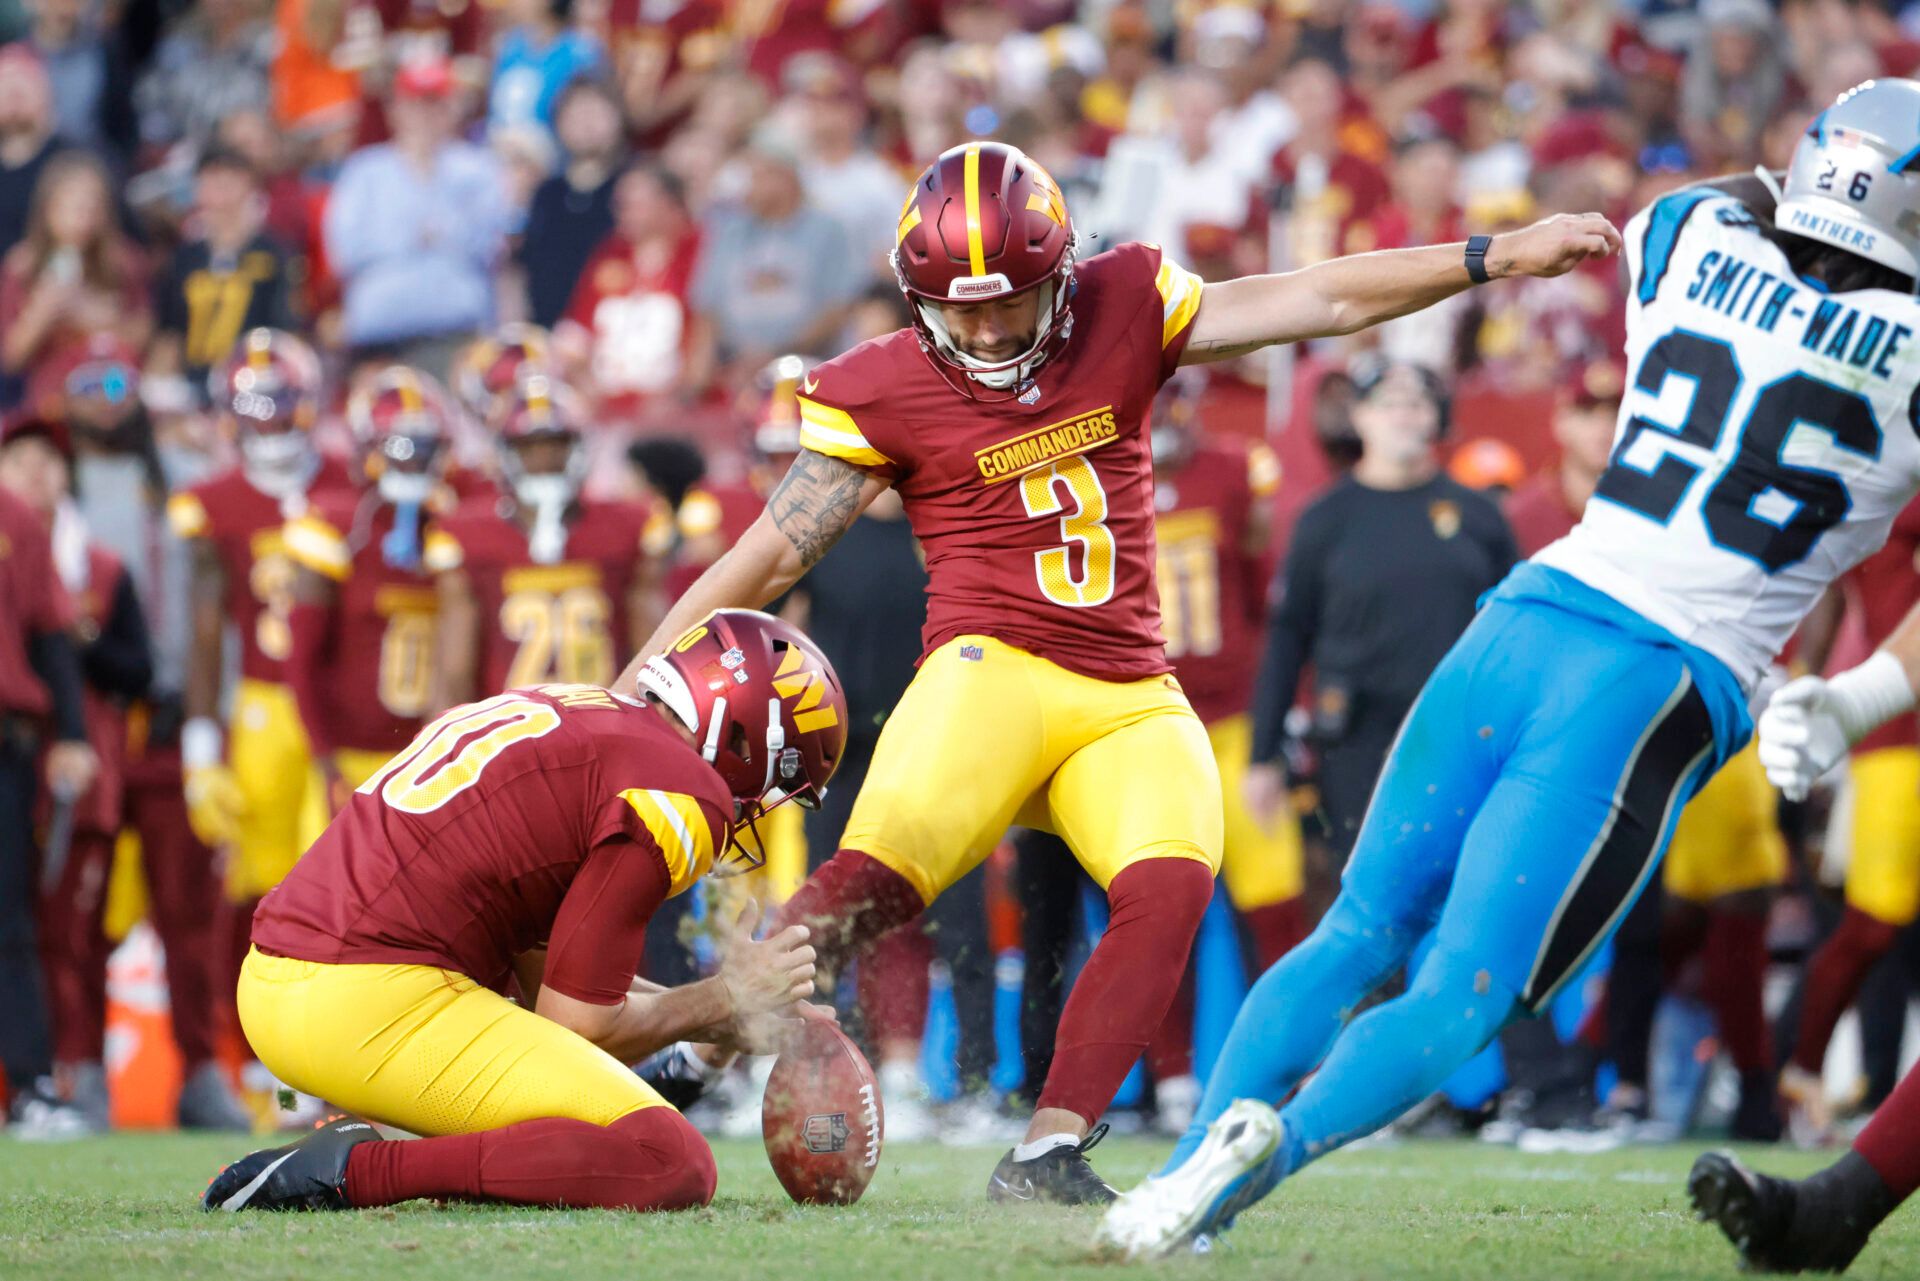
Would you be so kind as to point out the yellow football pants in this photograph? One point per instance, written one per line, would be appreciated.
(1262, 866)
(1727, 839)
(286, 807)
(1883, 875)
(988, 736)
(427, 1050)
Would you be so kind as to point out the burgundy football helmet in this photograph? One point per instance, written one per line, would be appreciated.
(488, 368)
(403, 426)
(765, 709)
(269, 390)
(984, 221)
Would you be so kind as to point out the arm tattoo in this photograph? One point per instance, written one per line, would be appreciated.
(815, 502)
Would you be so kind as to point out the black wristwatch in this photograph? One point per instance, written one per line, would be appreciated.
(1477, 247)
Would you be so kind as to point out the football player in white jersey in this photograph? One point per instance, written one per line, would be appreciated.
(1766, 441)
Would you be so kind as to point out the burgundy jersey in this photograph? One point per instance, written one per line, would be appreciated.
(710, 520)
(378, 659)
(1035, 511)
(1538, 513)
(99, 807)
(247, 530)
(1887, 585)
(564, 621)
(459, 853)
(1212, 586)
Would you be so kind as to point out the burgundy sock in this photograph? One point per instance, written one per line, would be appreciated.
(893, 985)
(1277, 929)
(1834, 976)
(849, 900)
(1891, 1141)
(1170, 1052)
(647, 1160)
(1734, 957)
(1123, 993)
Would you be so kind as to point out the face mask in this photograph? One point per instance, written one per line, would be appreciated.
(280, 464)
(402, 487)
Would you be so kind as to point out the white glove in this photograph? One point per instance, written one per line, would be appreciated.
(1810, 723)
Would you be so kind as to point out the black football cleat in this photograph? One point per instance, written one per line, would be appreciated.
(1060, 1175)
(310, 1174)
(1778, 1225)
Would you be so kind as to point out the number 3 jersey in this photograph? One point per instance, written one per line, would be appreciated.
(1035, 510)
(565, 621)
(548, 816)
(1767, 437)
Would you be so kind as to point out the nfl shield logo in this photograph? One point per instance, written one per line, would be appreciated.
(972, 653)
(1030, 393)
(826, 1133)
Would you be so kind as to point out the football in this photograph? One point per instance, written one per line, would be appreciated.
(821, 1118)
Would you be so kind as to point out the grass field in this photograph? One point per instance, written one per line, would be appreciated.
(126, 1207)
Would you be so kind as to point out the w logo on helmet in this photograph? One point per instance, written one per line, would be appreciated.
(1046, 197)
(806, 687)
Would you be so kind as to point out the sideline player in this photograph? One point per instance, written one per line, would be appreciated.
(258, 796)
(1011, 418)
(1819, 1224)
(361, 665)
(1766, 447)
(538, 583)
(532, 835)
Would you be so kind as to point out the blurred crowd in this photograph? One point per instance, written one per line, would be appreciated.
(667, 211)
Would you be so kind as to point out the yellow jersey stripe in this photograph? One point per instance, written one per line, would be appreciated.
(1179, 298)
(318, 546)
(678, 828)
(832, 432)
(976, 247)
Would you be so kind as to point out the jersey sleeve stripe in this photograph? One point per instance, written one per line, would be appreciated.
(1669, 217)
(674, 821)
(442, 552)
(832, 432)
(1179, 299)
(313, 543)
(186, 515)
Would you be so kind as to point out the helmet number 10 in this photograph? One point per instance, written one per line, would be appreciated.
(1085, 525)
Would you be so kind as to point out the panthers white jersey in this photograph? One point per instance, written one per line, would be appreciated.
(1766, 439)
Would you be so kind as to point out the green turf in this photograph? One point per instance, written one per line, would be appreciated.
(126, 1207)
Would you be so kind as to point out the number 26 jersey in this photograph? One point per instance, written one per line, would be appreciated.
(1766, 441)
(1035, 509)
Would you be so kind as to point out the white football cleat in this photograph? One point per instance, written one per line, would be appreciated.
(1167, 1212)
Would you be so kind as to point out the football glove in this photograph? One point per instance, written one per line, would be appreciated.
(1811, 722)
(215, 804)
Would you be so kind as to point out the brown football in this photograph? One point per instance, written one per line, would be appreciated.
(821, 1118)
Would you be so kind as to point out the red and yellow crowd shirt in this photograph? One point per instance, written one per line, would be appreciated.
(565, 621)
(1212, 588)
(462, 851)
(377, 666)
(1036, 511)
(248, 531)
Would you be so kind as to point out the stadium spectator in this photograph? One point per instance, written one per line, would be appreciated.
(540, 53)
(572, 211)
(1382, 575)
(92, 104)
(229, 277)
(27, 138)
(415, 228)
(41, 701)
(845, 178)
(213, 64)
(1735, 80)
(1547, 506)
(629, 320)
(772, 274)
(122, 475)
(73, 275)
